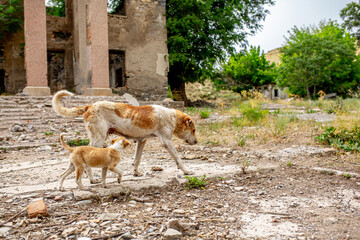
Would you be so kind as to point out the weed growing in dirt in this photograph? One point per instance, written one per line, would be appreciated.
(328, 172)
(241, 141)
(204, 114)
(347, 139)
(253, 114)
(289, 164)
(48, 133)
(195, 182)
(244, 165)
(78, 142)
(347, 175)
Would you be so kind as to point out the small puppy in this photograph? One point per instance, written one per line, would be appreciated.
(84, 157)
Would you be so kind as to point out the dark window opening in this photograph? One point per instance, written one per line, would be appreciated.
(56, 70)
(276, 92)
(119, 78)
(2, 80)
(117, 74)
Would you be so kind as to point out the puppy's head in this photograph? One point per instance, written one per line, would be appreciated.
(120, 140)
(185, 128)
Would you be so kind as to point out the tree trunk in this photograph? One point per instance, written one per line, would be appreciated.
(307, 89)
(177, 85)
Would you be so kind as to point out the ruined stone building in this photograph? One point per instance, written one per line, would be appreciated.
(88, 51)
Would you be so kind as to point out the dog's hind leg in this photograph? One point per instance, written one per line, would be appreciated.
(139, 149)
(78, 177)
(67, 172)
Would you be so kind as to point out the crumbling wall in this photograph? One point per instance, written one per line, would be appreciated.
(60, 53)
(142, 35)
(15, 75)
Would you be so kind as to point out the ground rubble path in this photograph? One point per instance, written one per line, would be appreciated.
(268, 198)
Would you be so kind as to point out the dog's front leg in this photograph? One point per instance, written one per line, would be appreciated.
(169, 146)
(103, 176)
(139, 149)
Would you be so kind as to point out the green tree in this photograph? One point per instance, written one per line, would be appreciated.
(56, 8)
(246, 70)
(351, 16)
(11, 17)
(202, 33)
(319, 58)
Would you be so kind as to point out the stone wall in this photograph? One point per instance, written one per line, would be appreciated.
(141, 34)
(137, 47)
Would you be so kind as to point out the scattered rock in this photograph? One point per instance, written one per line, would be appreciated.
(37, 208)
(127, 235)
(175, 224)
(109, 216)
(4, 231)
(69, 231)
(172, 234)
(84, 195)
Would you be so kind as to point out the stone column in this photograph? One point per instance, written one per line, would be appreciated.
(98, 46)
(35, 48)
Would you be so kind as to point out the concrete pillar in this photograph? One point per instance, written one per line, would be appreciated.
(91, 47)
(35, 48)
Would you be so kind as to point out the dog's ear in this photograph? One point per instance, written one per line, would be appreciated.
(189, 122)
(113, 141)
(125, 143)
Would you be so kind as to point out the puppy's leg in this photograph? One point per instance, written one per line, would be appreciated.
(97, 132)
(139, 149)
(103, 176)
(67, 172)
(78, 177)
(169, 146)
(116, 170)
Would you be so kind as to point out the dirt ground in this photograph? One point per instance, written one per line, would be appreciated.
(271, 200)
(283, 188)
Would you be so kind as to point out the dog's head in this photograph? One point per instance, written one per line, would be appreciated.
(185, 128)
(121, 141)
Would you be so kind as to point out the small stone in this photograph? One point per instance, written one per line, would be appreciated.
(179, 211)
(330, 220)
(4, 231)
(239, 189)
(175, 224)
(126, 235)
(67, 232)
(232, 219)
(172, 234)
(37, 208)
(109, 216)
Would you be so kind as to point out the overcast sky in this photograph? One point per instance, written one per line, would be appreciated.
(288, 13)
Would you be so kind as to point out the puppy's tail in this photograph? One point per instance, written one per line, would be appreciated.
(64, 111)
(67, 147)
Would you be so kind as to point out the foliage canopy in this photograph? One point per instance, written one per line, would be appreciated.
(202, 33)
(351, 16)
(319, 58)
(11, 17)
(246, 70)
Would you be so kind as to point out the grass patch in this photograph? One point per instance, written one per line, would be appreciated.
(196, 182)
(204, 114)
(78, 142)
(346, 139)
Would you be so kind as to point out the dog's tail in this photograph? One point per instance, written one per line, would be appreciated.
(67, 147)
(64, 111)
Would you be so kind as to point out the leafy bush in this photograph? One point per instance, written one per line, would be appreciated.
(204, 114)
(347, 139)
(253, 114)
(79, 142)
(196, 182)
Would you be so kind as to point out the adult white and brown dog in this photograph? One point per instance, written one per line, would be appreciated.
(132, 122)
(84, 157)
